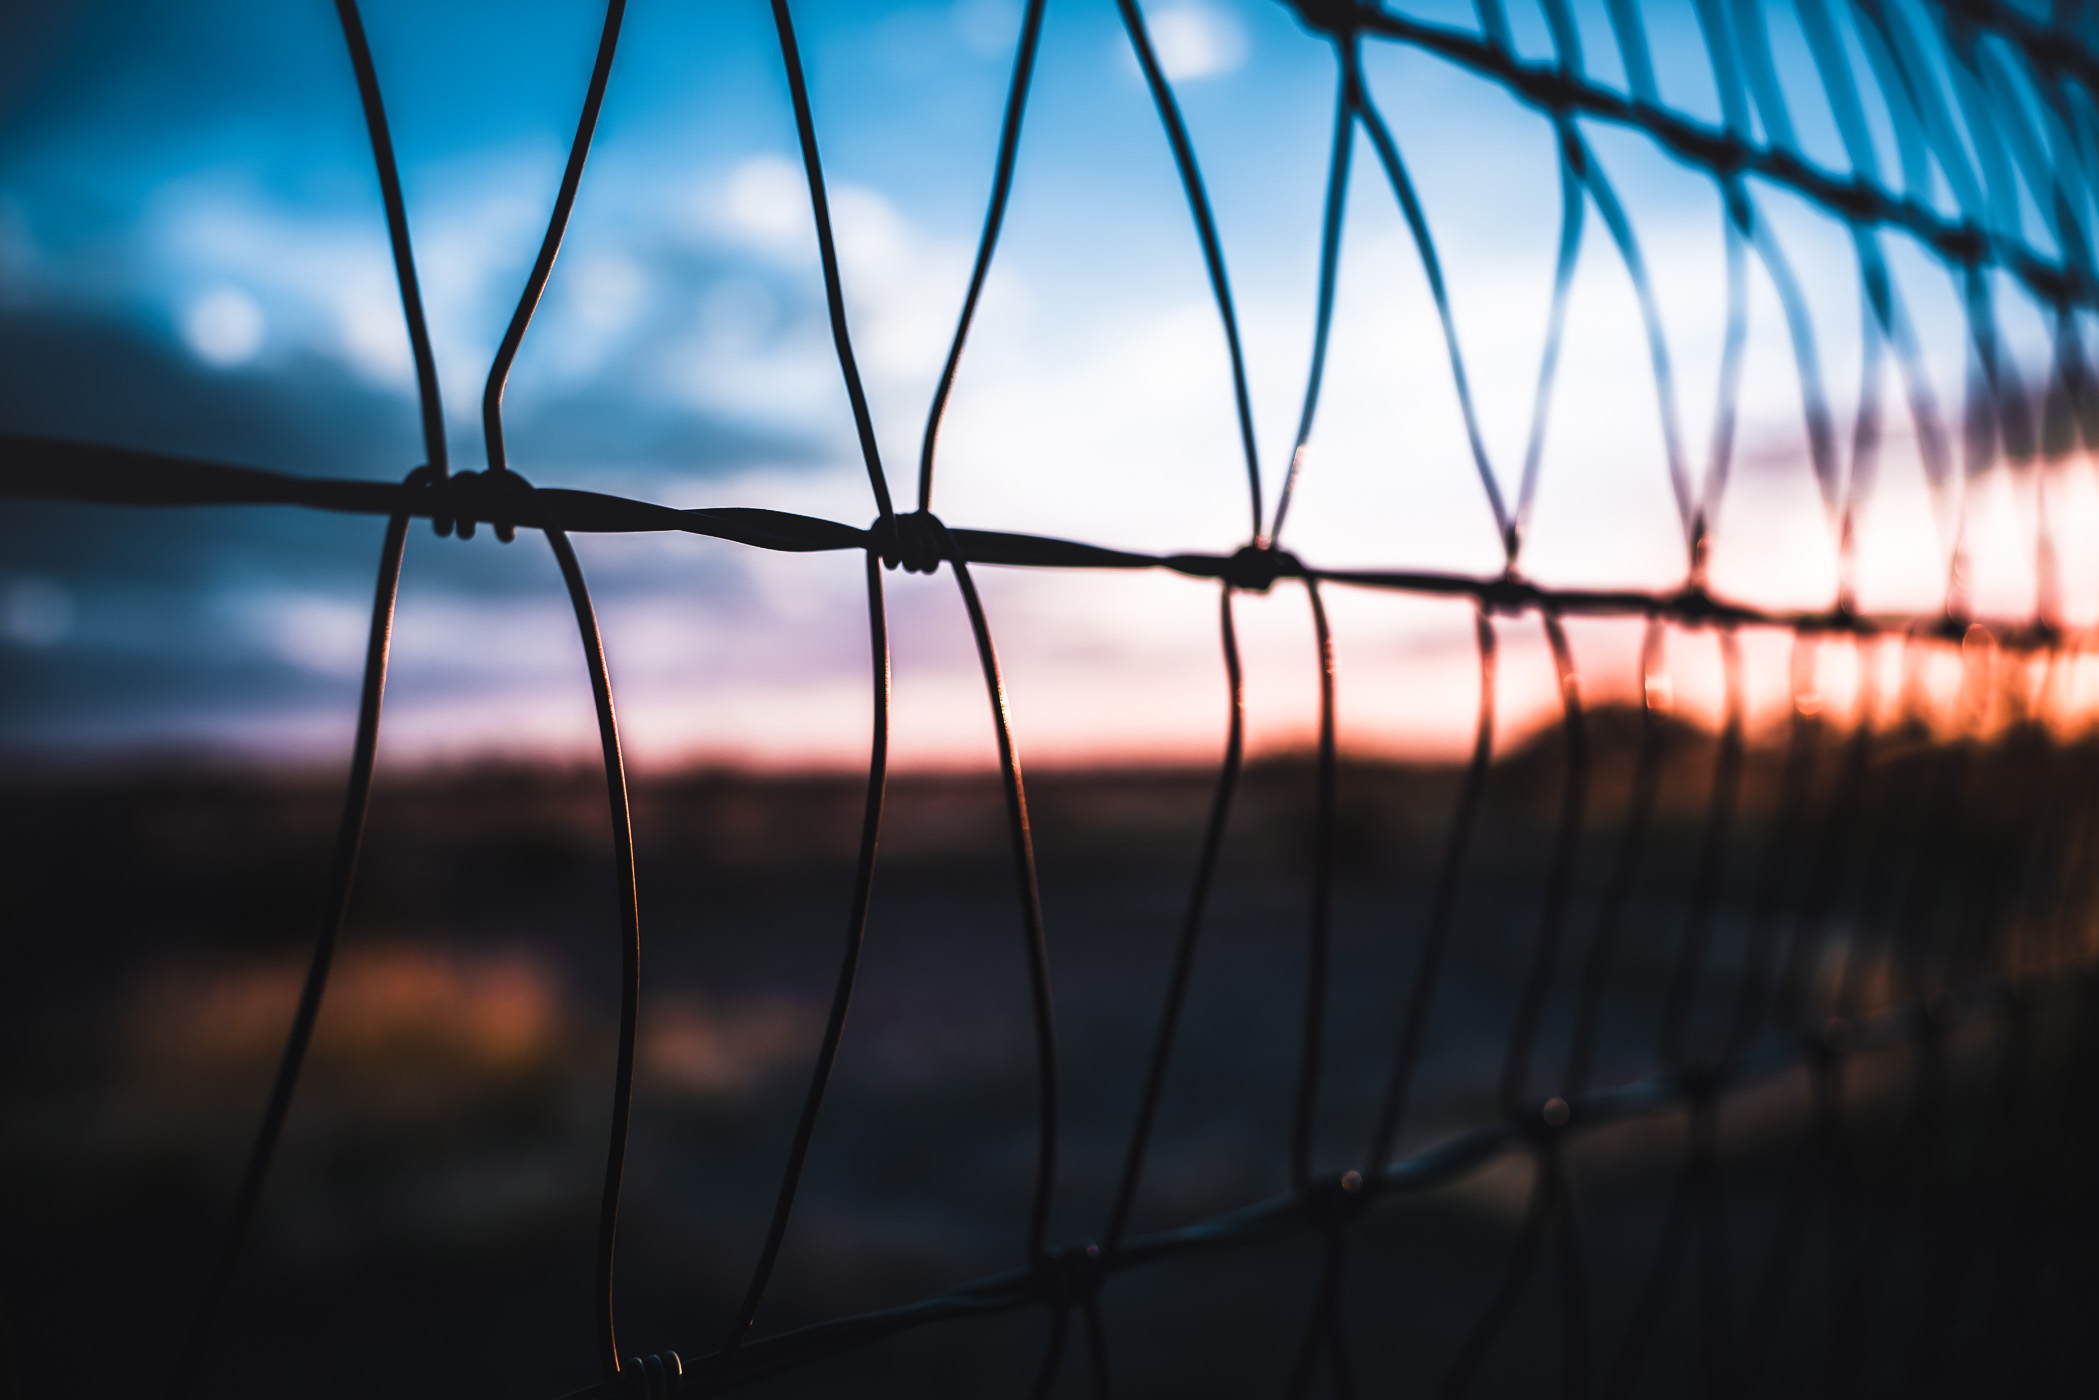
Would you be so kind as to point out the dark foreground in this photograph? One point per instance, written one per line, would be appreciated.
(428, 1230)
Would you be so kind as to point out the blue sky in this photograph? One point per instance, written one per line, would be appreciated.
(193, 258)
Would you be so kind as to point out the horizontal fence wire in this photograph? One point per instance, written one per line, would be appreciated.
(1988, 104)
(47, 469)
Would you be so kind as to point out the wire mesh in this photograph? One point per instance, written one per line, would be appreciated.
(1972, 917)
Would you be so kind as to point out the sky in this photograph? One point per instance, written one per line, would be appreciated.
(193, 259)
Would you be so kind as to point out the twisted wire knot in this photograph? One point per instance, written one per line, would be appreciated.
(457, 503)
(1256, 567)
(1693, 604)
(1509, 594)
(916, 542)
(659, 1376)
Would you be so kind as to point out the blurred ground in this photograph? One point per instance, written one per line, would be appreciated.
(428, 1228)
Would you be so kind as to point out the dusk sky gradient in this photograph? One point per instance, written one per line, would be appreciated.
(193, 259)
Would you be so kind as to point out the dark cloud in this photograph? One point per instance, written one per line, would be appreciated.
(96, 377)
(152, 644)
(99, 379)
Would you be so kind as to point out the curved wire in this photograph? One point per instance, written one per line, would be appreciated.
(1833, 67)
(630, 940)
(841, 998)
(1912, 79)
(1760, 74)
(1625, 867)
(1674, 1025)
(1030, 904)
(1632, 49)
(1546, 1215)
(1782, 844)
(1807, 362)
(1833, 857)
(1727, 396)
(430, 405)
(342, 876)
(1421, 999)
(1191, 932)
(827, 249)
(1097, 1369)
(1890, 315)
(1720, 57)
(1323, 1330)
(994, 218)
(1655, 1294)
(1305, 1108)
(1329, 266)
(364, 747)
(1620, 227)
(1863, 471)
(1206, 231)
(1432, 269)
(1572, 207)
(557, 224)
(1052, 1352)
(1559, 886)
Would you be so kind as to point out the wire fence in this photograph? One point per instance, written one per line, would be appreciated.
(1956, 918)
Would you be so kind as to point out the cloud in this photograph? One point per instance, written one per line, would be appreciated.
(1196, 41)
(901, 283)
(313, 632)
(35, 611)
(767, 205)
(83, 372)
(252, 276)
(223, 328)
